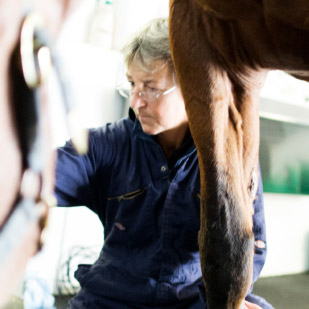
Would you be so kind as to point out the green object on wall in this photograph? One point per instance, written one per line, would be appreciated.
(284, 157)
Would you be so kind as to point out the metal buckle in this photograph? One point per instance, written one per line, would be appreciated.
(34, 50)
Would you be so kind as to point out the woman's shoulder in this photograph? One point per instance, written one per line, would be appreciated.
(116, 129)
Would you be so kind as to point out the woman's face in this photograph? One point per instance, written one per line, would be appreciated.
(162, 114)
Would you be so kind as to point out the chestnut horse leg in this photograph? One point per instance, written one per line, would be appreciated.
(224, 121)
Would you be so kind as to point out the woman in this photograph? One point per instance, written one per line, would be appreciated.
(141, 177)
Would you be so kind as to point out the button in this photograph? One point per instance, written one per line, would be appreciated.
(163, 168)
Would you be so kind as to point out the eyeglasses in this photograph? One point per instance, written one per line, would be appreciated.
(127, 91)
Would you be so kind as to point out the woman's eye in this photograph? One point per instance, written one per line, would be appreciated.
(152, 89)
(132, 84)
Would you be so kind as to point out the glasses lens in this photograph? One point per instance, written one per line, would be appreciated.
(148, 96)
(126, 90)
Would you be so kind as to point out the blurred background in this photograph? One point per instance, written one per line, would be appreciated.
(89, 47)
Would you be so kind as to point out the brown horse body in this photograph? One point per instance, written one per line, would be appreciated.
(13, 156)
(222, 51)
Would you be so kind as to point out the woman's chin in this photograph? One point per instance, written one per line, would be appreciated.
(150, 130)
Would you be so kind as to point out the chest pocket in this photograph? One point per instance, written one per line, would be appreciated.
(128, 196)
(126, 212)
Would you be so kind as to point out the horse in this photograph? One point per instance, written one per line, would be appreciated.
(222, 52)
(26, 157)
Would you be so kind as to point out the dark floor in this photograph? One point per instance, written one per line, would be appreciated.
(283, 292)
(61, 302)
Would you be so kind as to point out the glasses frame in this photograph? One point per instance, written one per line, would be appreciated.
(127, 93)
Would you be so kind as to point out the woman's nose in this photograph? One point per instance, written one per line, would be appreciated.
(136, 100)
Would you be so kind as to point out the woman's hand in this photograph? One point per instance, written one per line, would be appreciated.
(249, 305)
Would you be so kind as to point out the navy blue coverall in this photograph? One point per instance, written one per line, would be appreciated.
(150, 209)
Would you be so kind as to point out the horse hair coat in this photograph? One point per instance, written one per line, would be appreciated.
(222, 51)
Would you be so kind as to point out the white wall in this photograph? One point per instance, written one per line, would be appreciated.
(285, 98)
(68, 231)
(287, 222)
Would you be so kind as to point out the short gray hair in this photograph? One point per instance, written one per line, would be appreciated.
(149, 45)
